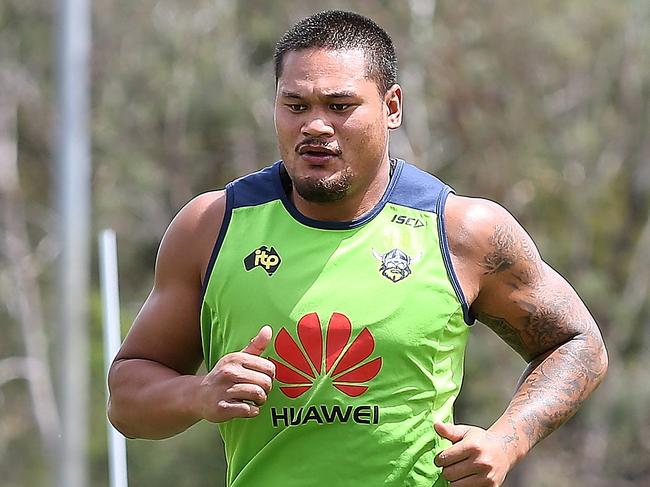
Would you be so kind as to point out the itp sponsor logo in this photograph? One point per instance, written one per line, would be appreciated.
(267, 259)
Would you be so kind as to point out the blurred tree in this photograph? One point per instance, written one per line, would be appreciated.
(25, 355)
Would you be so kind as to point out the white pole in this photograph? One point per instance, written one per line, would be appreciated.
(73, 158)
(112, 341)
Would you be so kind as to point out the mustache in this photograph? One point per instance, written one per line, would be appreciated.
(316, 142)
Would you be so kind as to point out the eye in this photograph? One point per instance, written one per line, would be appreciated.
(296, 107)
(339, 107)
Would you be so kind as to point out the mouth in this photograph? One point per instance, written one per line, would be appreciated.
(317, 153)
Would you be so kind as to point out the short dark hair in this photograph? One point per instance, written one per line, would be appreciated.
(338, 30)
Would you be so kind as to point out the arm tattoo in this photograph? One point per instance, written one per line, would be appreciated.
(505, 251)
(508, 250)
(554, 385)
(551, 318)
(554, 388)
(507, 332)
(551, 329)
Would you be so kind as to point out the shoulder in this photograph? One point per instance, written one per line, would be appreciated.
(199, 211)
(487, 243)
(475, 223)
(187, 243)
(471, 222)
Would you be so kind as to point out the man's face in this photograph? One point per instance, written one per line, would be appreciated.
(332, 123)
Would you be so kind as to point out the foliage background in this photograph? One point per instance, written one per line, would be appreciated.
(542, 106)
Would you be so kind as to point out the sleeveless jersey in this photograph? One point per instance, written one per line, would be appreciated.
(369, 332)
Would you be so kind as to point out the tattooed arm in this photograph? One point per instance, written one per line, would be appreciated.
(535, 311)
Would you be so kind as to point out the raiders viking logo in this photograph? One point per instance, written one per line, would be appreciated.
(395, 264)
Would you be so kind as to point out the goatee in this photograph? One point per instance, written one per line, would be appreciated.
(323, 190)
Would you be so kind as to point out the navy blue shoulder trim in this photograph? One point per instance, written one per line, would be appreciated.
(257, 188)
(417, 189)
(217, 245)
(446, 255)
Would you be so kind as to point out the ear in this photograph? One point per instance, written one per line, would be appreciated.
(393, 102)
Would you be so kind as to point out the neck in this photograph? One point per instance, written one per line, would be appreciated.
(352, 206)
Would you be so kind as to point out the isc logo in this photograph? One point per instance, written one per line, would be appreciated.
(267, 259)
(407, 220)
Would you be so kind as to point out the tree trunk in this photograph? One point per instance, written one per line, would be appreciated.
(25, 305)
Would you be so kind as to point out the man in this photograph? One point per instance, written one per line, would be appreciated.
(356, 275)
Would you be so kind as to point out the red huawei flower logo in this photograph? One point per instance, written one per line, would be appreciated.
(330, 358)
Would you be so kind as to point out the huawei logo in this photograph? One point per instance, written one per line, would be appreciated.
(346, 365)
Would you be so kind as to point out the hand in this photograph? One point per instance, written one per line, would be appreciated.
(238, 385)
(477, 457)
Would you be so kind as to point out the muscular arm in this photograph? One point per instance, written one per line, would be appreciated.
(154, 392)
(151, 380)
(535, 311)
(539, 315)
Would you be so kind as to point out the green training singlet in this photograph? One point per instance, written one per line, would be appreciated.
(369, 332)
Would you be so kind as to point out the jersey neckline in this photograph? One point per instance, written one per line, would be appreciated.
(335, 225)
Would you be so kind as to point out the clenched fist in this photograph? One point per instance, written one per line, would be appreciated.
(477, 457)
(238, 384)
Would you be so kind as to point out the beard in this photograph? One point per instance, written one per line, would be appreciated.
(324, 190)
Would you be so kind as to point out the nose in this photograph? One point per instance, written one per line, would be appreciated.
(317, 127)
